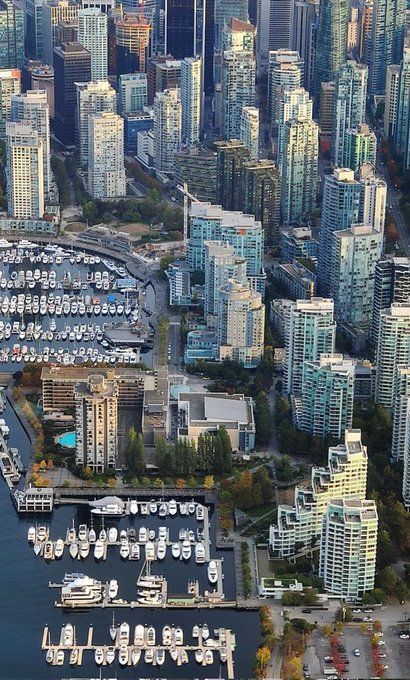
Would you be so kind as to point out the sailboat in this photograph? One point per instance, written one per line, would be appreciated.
(113, 629)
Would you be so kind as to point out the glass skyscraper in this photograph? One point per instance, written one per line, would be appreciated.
(331, 41)
(11, 35)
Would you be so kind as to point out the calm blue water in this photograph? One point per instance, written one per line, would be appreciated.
(67, 439)
(27, 602)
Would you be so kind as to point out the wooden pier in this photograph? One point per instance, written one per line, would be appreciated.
(224, 640)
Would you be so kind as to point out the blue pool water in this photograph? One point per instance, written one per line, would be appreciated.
(67, 439)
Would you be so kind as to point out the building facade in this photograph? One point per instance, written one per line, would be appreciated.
(349, 105)
(24, 171)
(191, 100)
(93, 35)
(238, 89)
(92, 98)
(132, 92)
(72, 64)
(261, 196)
(331, 41)
(10, 84)
(167, 129)
(241, 324)
(393, 349)
(360, 146)
(12, 24)
(299, 169)
(106, 171)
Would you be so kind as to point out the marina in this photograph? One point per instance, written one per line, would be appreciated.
(154, 648)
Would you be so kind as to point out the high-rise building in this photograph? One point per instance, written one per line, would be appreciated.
(406, 468)
(285, 71)
(163, 73)
(225, 11)
(348, 547)
(345, 476)
(373, 198)
(32, 108)
(401, 413)
(273, 28)
(349, 107)
(93, 35)
(167, 128)
(34, 29)
(386, 42)
(196, 167)
(24, 171)
(241, 323)
(72, 64)
(96, 423)
(238, 89)
(221, 264)
(38, 76)
(353, 28)
(354, 254)
(11, 34)
(392, 284)
(55, 12)
(391, 100)
(181, 28)
(132, 92)
(365, 31)
(340, 209)
(299, 168)
(327, 96)
(230, 157)
(132, 34)
(360, 146)
(303, 36)
(401, 133)
(106, 171)
(331, 41)
(393, 349)
(211, 223)
(261, 195)
(249, 130)
(191, 99)
(293, 104)
(10, 85)
(326, 402)
(92, 98)
(310, 332)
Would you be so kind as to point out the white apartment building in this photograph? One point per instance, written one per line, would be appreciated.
(293, 103)
(24, 171)
(191, 99)
(372, 206)
(221, 264)
(10, 85)
(249, 132)
(349, 547)
(32, 108)
(238, 89)
(241, 324)
(285, 72)
(299, 168)
(300, 526)
(393, 350)
(406, 469)
(401, 412)
(132, 92)
(310, 331)
(96, 423)
(93, 35)
(106, 171)
(92, 98)
(54, 13)
(167, 128)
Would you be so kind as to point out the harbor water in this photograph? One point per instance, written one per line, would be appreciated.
(28, 603)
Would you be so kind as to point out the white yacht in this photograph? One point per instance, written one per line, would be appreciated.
(139, 635)
(59, 548)
(176, 550)
(98, 550)
(200, 512)
(149, 551)
(99, 656)
(125, 550)
(113, 589)
(161, 550)
(112, 535)
(172, 507)
(212, 572)
(133, 507)
(186, 550)
(199, 553)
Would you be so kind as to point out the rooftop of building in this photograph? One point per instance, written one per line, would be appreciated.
(228, 218)
(77, 373)
(96, 386)
(217, 407)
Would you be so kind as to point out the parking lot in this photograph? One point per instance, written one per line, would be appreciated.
(360, 667)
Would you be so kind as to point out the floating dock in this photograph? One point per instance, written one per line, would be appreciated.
(225, 641)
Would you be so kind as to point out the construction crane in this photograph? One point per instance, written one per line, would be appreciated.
(187, 197)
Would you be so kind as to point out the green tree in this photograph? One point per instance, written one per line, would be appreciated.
(387, 580)
(261, 476)
(226, 448)
(134, 453)
(165, 457)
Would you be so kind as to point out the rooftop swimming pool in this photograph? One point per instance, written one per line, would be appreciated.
(67, 439)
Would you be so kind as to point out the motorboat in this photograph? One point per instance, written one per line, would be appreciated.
(50, 655)
(82, 532)
(92, 536)
(149, 655)
(109, 506)
(186, 550)
(183, 534)
(102, 535)
(48, 550)
(99, 656)
(150, 581)
(172, 507)
(143, 535)
(37, 548)
(183, 656)
(151, 636)
(199, 655)
(160, 657)
(212, 572)
(123, 535)
(132, 535)
(149, 551)
(183, 508)
(81, 592)
(153, 507)
(59, 548)
(135, 551)
(200, 513)
(223, 655)
(195, 631)
(209, 657)
(139, 635)
(166, 636)
(74, 656)
(161, 550)
(124, 633)
(151, 534)
(123, 656)
(144, 508)
(162, 533)
(174, 654)
(31, 535)
(133, 507)
(59, 657)
(67, 635)
(71, 534)
(112, 535)
(199, 553)
(113, 629)
(99, 550)
(135, 656)
(191, 507)
(125, 550)
(179, 636)
(163, 510)
(191, 536)
(110, 655)
(84, 549)
(176, 550)
(205, 631)
(42, 533)
(73, 576)
(113, 589)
